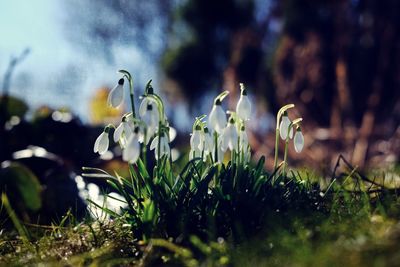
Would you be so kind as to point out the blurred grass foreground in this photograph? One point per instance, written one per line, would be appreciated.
(212, 166)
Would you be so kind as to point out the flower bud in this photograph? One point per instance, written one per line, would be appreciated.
(116, 96)
(298, 141)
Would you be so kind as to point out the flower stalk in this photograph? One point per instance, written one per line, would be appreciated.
(277, 133)
(293, 124)
(128, 76)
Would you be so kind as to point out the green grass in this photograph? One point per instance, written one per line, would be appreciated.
(292, 225)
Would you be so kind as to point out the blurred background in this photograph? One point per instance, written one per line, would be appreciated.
(338, 61)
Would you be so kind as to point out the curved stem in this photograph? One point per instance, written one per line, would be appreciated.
(131, 91)
(278, 118)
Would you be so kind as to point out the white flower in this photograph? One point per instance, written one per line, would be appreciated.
(116, 96)
(284, 126)
(123, 128)
(244, 147)
(243, 139)
(220, 156)
(208, 143)
(298, 141)
(101, 143)
(143, 105)
(217, 118)
(172, 133)
(196, 143)
(164, 146)
(243, 107)
(196, 140)
(151, 118)
(131, 152)
(229, 138)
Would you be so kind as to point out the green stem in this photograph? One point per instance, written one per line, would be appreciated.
(276, 148)
(285, 155)
(216, 146)
(278, 118)
(131, 93)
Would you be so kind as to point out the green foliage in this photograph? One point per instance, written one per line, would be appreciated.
(22, 183)
(209, 200)
(14, 106)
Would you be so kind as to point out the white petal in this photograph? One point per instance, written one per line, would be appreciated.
(283, 128)
(220, 155)
(116, 96)
(298, 141)
(164, 146)
(244, 141)
(118, 132)
(101, 143)
(232, 137)
(132, 151)
(128, 126)
(243, 107)
(224, 140)
(196, 140)
(155, 117)
(154, 143)
(143, 106)
(208, 142)
(172, 133)
(291, 133)
(217, 119)
(96, 144)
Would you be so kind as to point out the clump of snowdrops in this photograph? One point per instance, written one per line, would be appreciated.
(219, 192)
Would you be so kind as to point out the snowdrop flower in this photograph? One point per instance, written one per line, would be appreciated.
(151, 118)
(229, 137)
(217, 117)
(196, 143)
(196, 138)
(243, 139)
(124, 128)
(244, 144)
(284, 127)
(143, 105)
(116, 96)
(101, 144)
(164, 146)
(131, 152)
(208, 143)
(243, 107)
(298, 141)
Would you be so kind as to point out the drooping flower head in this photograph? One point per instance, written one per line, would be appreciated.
(151, 118)
(124, 129)
(196, 143)
(284, 127)
(116, 95)
(131, 151)
(161, 149)
(208, 142)
(244, 147)
(229, 137)
(243, 107)
(298, 140)
(217, 117)
(101, 144)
